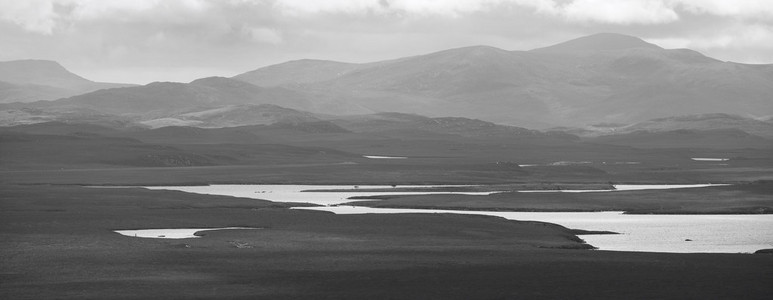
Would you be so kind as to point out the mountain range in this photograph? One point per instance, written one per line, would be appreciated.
(593, 79)
(582, 83)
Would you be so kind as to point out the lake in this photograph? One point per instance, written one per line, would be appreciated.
(296, 194)
(171, 233)
(630, 187)
(652, 233)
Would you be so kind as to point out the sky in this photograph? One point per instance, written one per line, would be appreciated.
(141, 41)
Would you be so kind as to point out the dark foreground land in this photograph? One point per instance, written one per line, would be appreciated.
(57, 242)
(57, 239)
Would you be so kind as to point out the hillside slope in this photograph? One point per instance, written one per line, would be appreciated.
(32, 80)
(599, 78)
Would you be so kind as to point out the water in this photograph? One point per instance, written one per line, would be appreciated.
(176, 233)
(384, 157)
(709, 159)
(652, 233)
(630, 187)
(295, 194)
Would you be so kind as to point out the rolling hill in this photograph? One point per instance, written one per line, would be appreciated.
(603, 78)
(703, 122)
(168, 98)
(32, 80)
(598, 78)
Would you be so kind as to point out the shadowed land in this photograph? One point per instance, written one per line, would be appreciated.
(58, 243)
(749, 198)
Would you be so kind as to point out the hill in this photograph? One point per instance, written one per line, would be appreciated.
(164, 98)
(32, 80)
(599, 78)
(704, 122)
(603, 78)
(234, 115)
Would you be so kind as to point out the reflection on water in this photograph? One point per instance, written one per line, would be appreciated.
(657, 233)
(176, 233)
(384, 157)
(296, 194)
(709, 159)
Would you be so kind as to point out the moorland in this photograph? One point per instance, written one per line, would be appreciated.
(69, 171)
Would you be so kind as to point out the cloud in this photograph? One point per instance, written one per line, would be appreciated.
(264, 35)
(735, 8)
(34, 15)
(447, 8)
(619, 11)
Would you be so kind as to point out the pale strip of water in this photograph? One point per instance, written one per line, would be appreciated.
(384, 157)
(630, 187)
(709, 159)
(296, 194)
(650, 233)
(176, 233)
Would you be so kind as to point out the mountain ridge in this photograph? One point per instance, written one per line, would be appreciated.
(625, 80)
(615, 79)
(34, 79)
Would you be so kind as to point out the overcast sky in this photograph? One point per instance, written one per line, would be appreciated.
(140, 41)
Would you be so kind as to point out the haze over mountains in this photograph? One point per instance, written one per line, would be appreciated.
(599, 79)
(31, 80)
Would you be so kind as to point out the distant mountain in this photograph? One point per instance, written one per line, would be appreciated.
(206, 102)
(296, 72)
(603, 78)
(160, 99)
(599, 78)
(32, 80)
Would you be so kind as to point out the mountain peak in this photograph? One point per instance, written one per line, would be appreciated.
(40, 63)
(599, 42)
(32, 71)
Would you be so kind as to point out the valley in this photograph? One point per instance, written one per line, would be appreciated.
(482, 137)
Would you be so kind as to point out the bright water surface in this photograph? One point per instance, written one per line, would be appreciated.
(653, 233)
(294, 193)
(384, 157)
(176, 233)
(630, 187)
